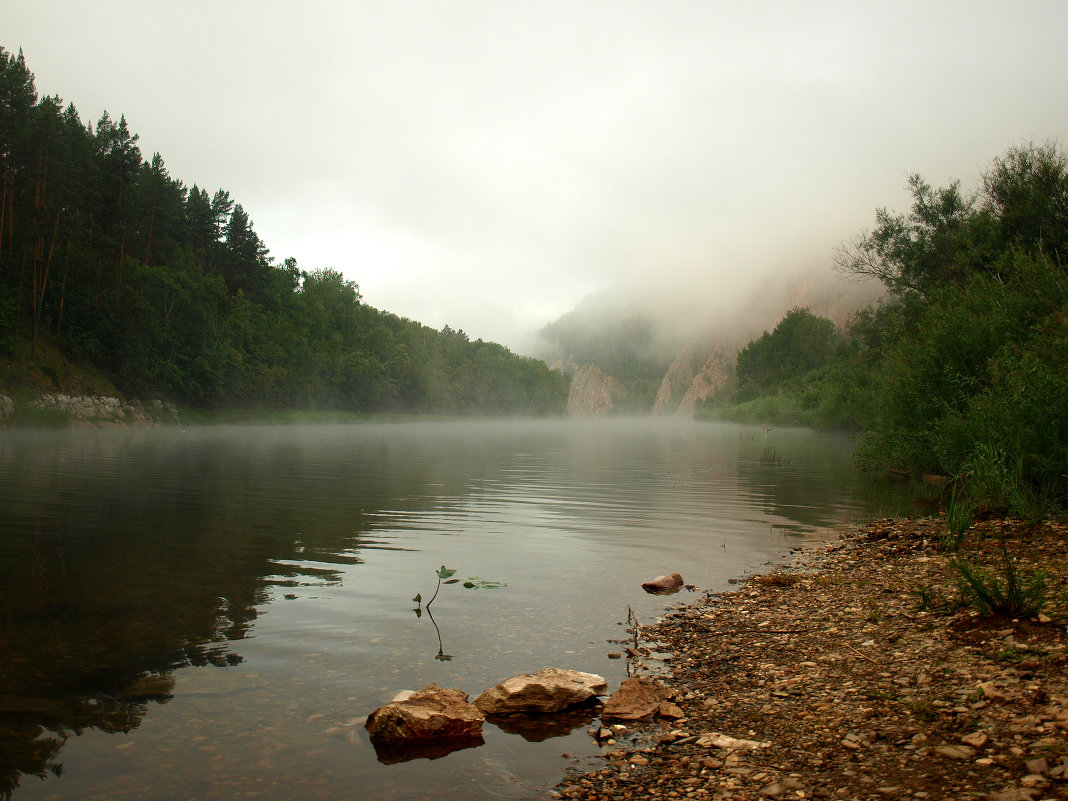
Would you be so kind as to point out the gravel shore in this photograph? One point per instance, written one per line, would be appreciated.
(857, 673)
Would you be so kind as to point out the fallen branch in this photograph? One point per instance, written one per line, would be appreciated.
(858, 653)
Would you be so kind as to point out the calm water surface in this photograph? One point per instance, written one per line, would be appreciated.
(209, 613)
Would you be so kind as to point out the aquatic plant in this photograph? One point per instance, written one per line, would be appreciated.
(445, 576)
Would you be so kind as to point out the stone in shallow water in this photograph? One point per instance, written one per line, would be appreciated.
(548, 690)
(433, 713)
(669, 583)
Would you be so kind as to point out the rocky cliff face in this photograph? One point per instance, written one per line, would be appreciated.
(705, 363)
(696, 374)
(593, 392)
(680, 377)
(712, 377)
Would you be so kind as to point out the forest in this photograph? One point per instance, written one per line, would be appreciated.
(960, 369)
(112, 268)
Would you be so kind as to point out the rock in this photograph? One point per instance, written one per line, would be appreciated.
(674, 736)
(687, 378)
(593, 392)
(104, 410)
(7, 407)
(668, 583)
(1039, 766)
(992, 692)
(670, 711)
(1012, 794)
(773, 790)
(429, 714)
(955, 751)
(716, 740)
(977, 739)
(548, 690)
(637, 698)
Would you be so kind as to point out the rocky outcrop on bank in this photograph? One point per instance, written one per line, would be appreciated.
(697, 373)
(712, 377)
(679, 377)
(858, 674)
(95, 410)
(593, 392)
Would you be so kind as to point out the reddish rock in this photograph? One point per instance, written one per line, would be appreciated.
(637, 698)
(430, 713)
(663, 583)
(548, 690)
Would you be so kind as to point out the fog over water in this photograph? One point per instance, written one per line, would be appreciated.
(487, 165)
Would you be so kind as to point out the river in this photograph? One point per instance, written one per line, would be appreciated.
(210, 612)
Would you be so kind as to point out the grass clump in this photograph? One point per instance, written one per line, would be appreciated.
(1010, 592)
(959, 512)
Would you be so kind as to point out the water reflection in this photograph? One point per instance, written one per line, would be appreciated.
(434, 749)
(538, 728)
(127, 557)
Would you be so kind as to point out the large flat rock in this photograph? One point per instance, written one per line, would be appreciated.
(548, 690)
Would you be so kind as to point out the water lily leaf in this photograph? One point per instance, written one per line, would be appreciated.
(450, 581)
(418, 598)
(476, 583)
(445, 572)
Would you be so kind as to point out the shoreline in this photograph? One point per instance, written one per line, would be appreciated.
(854, 673)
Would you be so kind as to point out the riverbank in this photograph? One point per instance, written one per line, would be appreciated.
(857, 674)
(57, 410)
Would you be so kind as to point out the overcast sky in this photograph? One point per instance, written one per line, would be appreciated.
(487, 164)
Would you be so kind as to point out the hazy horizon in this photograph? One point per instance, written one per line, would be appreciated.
(487, 166)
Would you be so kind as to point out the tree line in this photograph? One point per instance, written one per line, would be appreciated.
(960, 369)
(170, 292)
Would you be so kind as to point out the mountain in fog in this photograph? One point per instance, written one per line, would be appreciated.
(626, 354)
